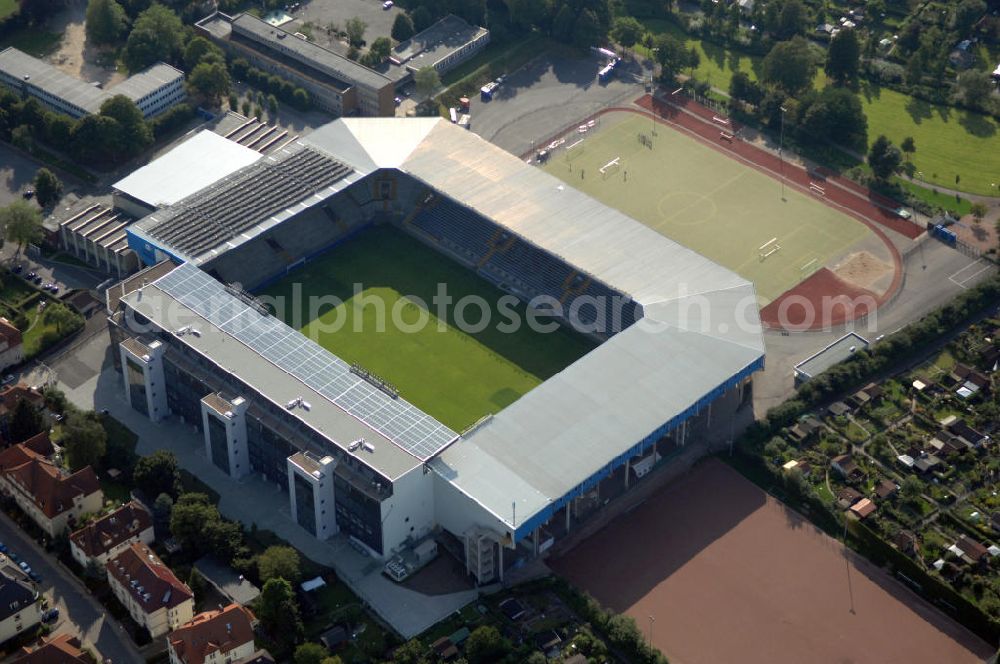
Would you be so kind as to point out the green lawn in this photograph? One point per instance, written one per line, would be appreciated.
(949, 141)
(954, 204)
(698, 196)
(7, 7)
(32, 41)
(455, 376)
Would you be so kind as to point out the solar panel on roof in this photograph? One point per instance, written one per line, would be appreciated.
(396, 419)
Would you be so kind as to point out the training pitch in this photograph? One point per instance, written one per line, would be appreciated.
(707, 201)
(455, 376)
(713, 569)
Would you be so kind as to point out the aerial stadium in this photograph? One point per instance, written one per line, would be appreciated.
(497, 441)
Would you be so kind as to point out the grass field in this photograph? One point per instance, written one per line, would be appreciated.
(455, 376)
(7, 7)
(32, 41)
(949, 141)
(709, 202)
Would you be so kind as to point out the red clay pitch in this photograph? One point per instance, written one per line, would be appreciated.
(731, 575)
(801, 306)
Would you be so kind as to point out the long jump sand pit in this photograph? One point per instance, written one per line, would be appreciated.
(729, 574)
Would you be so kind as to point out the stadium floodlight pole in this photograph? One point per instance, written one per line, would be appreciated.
(781, 151)
(651, 621)
(652, 94)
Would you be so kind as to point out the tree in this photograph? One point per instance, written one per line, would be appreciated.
(25, 422)
(83, 439)
(835, 114)
(200, 50)
(279, 612)
(157, 34)
(272, 105)
(911, 489)
(908, 147)
(975, 89)
(355, 29)
(380, 50)
(187, 520)
(62, 317)
(843, 56)
(279, 562)
(485, 645)
(48, 188)
(162, 508)
(402, 27)
(210, 80)
(95, 139)
(423, 19)
(627, 31)
(966, 14)
(22, 223)
(790, 65)
(743, 88)
(310, 653)
(105, 22)
(670, 54)
(133, 132)
(426, 80)
(157, 474)
(884, 158)
(978, 211)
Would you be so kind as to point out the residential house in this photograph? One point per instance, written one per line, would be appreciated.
(863, 508)
(804, 430)
(214, 637)
(886, 489)
(969, 436)
(926, 463)
(838, 408)
(946, 444)
(858, 400)
(10, 396)
(969, 550)
(906, 542)
(846, 467)
(995, 521)
(337, 636)
(153, 595)
(969, 381)
(847, 496)
(260, 657)
(49, 495)
(105, 537)
(801, 466)
(11, 344)
(62, 649)
(20, 609)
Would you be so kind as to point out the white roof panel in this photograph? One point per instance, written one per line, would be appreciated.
(198, 162)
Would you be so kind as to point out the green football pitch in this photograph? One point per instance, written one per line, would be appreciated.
(455, 376)
(707, 201)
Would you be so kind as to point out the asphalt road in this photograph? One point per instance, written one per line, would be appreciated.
(79, 613)
(16, 174)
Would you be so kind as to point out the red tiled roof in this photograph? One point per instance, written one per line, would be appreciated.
(62, 649)
(138, 567)
(212, 631)
(9, 333)
(51, 489)
(12, 394)
(101, 536)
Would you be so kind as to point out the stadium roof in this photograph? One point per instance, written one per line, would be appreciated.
(282, 364)
(198, 162)
(700, 331)
(700, 321)
(243, 204)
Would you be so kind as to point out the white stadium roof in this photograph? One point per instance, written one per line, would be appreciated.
(198, 162)
(700, 331)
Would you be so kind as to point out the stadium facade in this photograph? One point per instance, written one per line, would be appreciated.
(678, 336)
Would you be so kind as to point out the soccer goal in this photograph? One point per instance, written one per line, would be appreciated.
(768, 249)
(611, 167)
(574, 150)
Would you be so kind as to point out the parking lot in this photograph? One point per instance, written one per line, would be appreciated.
(549, 94)
(322, 13)
(16, 174)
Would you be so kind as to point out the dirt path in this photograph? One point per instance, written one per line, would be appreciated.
(74, 56)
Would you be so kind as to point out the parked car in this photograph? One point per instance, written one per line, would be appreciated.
(31, 276)
(51, 615)
(54, 289)
(35, 576)
(18, 269)
(37, 280)
(25, 566)
(9, 378)
(29, 194)
(13, 556)
(387, 4)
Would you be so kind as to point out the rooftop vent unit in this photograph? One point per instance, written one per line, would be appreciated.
(355, 445)
(368, 447)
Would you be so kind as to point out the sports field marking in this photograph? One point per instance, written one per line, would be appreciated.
(455, 376)
(723, 207)
(969, 277)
